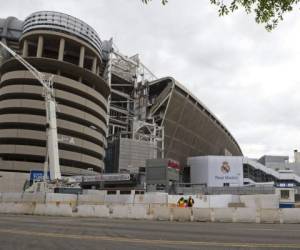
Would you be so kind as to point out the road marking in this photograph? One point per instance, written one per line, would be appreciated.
(148, 241)
(269, 229)
(56, 223)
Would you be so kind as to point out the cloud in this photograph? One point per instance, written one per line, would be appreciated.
(247, 76)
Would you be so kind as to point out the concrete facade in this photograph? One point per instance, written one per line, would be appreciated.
(12, 182)
(74, 58)
(126, 154)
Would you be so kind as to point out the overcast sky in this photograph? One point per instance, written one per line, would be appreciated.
(248, 77)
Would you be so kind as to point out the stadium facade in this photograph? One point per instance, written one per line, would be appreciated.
(108, 103)
(65, 47)
(190, 128)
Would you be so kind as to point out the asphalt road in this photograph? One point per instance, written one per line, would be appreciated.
(55, 233)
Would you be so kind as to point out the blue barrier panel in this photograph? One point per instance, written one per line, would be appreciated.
(286, 205)
(38, 175)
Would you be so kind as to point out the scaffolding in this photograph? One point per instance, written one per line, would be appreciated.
(128, 78)
(128, 117)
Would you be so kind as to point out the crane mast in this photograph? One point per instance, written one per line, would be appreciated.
(52, 154)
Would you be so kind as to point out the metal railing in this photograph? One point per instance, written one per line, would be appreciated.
(65, 23)
(225, 190)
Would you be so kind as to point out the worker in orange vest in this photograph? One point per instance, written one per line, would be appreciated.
(181, 202)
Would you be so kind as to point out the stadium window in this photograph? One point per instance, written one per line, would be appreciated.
(284, 194)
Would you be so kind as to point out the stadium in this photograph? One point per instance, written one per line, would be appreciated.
(111, 108)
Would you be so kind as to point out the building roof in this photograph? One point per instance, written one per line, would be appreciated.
(62, 22)
(204, 107)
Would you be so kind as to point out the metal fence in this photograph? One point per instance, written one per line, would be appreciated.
(225, 190)
(248, 190)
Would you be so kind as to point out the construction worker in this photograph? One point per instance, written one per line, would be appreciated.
(190, 202)
(180, 202)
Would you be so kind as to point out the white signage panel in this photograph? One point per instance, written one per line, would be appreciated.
(225, 171)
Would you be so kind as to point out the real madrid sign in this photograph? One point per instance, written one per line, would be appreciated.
(217, 171)
(225, 170)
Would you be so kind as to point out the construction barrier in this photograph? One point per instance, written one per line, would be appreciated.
(245, 215)
(94, 205)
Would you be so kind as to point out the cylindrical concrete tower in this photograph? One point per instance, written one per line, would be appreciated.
(71, 51)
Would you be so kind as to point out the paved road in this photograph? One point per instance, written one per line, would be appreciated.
(55, 233)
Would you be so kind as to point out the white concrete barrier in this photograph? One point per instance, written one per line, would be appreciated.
(201, 201)
(269, 201)
(152, 198)
(156, 198)
(102, 211)
(61, 199)
(16, 208)
(221, 201)
(181, 214)
(12, 197)
(290, 215)
(157, 212)
(161, 212)
(139, 211)
(245, 215)
(223, 214)
(34, 197)
(201, 214)
(260, 201)
(92, 211)
(129, 211)
(53, 210)
(91, 199)
(5, 207)
(85, 211)
(139, 199)
(126, 199)
(119, 211)
(158, 206)
(270, 215)
(111, 198)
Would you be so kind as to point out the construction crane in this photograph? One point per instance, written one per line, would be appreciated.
(52, 155)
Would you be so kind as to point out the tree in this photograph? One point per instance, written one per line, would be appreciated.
(267, 12)
(164, 2)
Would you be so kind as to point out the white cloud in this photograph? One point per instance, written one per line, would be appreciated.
(247, 76)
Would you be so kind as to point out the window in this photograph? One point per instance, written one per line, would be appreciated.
(111, 192)
(284, 194)
(125, 192)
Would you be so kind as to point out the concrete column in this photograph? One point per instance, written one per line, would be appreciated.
(40, 47)
(81, 57)
(94, 67)
(61, 49)
(25, 49)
